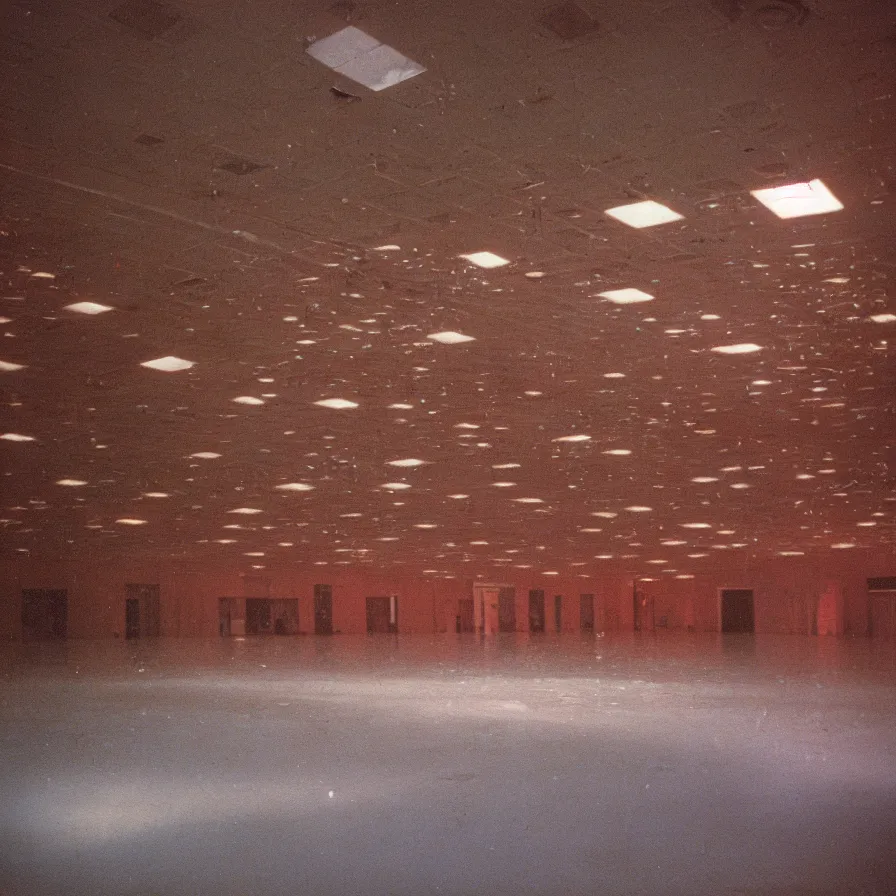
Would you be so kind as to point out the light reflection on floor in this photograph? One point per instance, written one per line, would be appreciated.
(543, 765)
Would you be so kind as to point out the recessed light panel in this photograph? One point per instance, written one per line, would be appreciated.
(798, 200)
(16, 437)
(364, 59)
(395, 486)
(338, 404)
(644, 214)
(406, 462)
(205, 455)
(169, 364)
(741, 348)
(88, 308)
(485, 259)
(130, 521)
(72, 482)
(295, 487)
(626, 296)
(579, 437)
(449, 337)
(9, 366)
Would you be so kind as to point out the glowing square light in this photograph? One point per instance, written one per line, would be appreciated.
(450, 337)
(337, 404)
(798, 200)
(16, 437)
(248, 399)
(626, 296)
(406, 462)
(364, 59)
(643, 214)
(741, 348)
(169, 364)
(485, 259)
(88, 308)
(9, 366)
(295, 487)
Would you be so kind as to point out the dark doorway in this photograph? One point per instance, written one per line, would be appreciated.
(142, 611)
(737, 611)
(44, 614)
(465, 621)
(382, 615)
(507, 610)
(586, 612)
(323, 610)
(226, 614)
(558, 612)
(131, 618)
(536, 610)
(258, 616)
(882, 614)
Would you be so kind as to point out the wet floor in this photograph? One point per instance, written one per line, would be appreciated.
(409, 765)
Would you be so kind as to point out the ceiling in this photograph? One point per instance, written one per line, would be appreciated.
(297, 237)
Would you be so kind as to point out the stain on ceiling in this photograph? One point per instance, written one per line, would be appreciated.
(526, 302)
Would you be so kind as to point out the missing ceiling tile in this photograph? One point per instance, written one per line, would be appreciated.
(239, 166)
(569, 21)
(146, 17)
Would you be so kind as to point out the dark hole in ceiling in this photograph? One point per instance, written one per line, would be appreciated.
(569, 21)
(146, 17)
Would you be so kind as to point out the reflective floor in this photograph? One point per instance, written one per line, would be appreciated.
(387, 765)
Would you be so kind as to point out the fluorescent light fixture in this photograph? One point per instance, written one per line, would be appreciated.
(798, 200)
(741, 348)
(245, 510)
(9, 366)
(130, 521)
(485, 259)
(580, 437)
(295, 487)
(72, 482)
(503, 484)
(398, 406)
(450, 337)
(618, 452)
(338, 404)
(883, 318)
(604, 514)
(643, 214)
(626, 296)
(16, 437)
(364, 59)
(395, 486)
(406, 462)
(205, 455)
(169, 364)
(637, 508)
(458, 497)
(695, 525)
(843, 544)
(88, 308)
(505, 466)
(155, 494)
(248, 399)
(705, 479)
(528, 500)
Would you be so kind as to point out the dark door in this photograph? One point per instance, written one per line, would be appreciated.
(379, 615)
(465, 621)
(558, 612)
(323, 610)
(44, 614)
(507, 610)
(586, 612)
(224, 616)
(644, 621)
(882, 622)
(536, 610)
(258, 616)
(737, 611)
(132, 618)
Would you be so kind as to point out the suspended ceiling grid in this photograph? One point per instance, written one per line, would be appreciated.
(297, 237)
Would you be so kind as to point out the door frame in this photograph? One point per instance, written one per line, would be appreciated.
(721, 591)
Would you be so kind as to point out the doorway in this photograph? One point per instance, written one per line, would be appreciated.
(272, 616)
(44, 614)
(536, 610)
(644, 615)
(737, 611)
(882, 614)
(382, 615)
(558, 612)
(586, 612)
(465, 620)
(141, 611)
(323, 610)
(507, 610)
